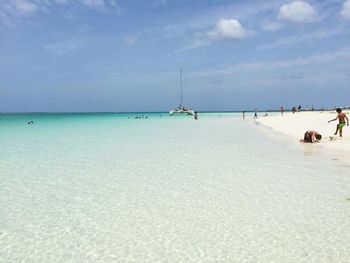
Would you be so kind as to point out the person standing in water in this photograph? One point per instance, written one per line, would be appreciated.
(341, 117)
(195, 115)
(256, 113)
(243, 114)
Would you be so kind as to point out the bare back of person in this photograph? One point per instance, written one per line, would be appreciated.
(341, 117)
(311, 137)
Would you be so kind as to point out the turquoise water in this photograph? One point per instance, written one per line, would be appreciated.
(112, 188)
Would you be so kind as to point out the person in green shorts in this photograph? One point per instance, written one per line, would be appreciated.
(341, 117)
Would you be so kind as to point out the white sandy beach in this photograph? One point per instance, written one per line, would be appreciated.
(296, 124)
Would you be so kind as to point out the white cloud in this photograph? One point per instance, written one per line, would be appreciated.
(258, 66)
(25, 7)
(345, 12)
(102, 5)
(298, 12)
(225, 29)
(228, 29)
(12, 11)
(302, 38)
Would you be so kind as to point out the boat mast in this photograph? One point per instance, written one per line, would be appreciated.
(181, 87)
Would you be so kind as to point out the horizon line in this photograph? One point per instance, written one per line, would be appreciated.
(134, 112)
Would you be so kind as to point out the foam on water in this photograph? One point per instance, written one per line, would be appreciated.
(108, 188)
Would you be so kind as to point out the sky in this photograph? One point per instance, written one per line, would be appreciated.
(125, 55)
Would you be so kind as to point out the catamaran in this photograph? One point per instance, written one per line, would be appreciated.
(181, 110)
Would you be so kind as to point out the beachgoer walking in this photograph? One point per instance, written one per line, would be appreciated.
(311, 137)
(282, 110)
(341, 117)
(255, 113)
(195, 115)
(243, 114)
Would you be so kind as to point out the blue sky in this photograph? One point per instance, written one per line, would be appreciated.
(118, 55)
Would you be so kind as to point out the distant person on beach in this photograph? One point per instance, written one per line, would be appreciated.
(311, 137)
(282, 110)
(294, 110)
(341, 117)
(299, 108)
(256, 114)
(243, 114)
(195, 115)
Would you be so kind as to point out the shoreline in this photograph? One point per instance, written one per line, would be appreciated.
(295, 125)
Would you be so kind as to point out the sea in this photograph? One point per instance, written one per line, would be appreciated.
(147, 187)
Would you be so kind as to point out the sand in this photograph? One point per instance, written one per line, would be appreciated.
(295, 125)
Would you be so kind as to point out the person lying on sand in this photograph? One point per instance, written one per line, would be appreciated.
(341, 117)
(311, 137)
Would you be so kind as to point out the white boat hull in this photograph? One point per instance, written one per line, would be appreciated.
(181, 112)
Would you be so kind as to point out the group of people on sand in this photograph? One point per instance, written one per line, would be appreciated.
(314, 136)
(255, 114)
(295, 109)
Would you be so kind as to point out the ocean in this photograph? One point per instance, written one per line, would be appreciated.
(115, 188)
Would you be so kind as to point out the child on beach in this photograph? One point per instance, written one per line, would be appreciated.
(341, 117)
(311, 137)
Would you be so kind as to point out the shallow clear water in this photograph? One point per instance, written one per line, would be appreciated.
(112, 188)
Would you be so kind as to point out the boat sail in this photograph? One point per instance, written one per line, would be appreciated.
(181, 109)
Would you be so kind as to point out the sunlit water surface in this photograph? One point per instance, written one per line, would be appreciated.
(112, 188)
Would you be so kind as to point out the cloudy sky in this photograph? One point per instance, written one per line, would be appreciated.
(125, 55)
